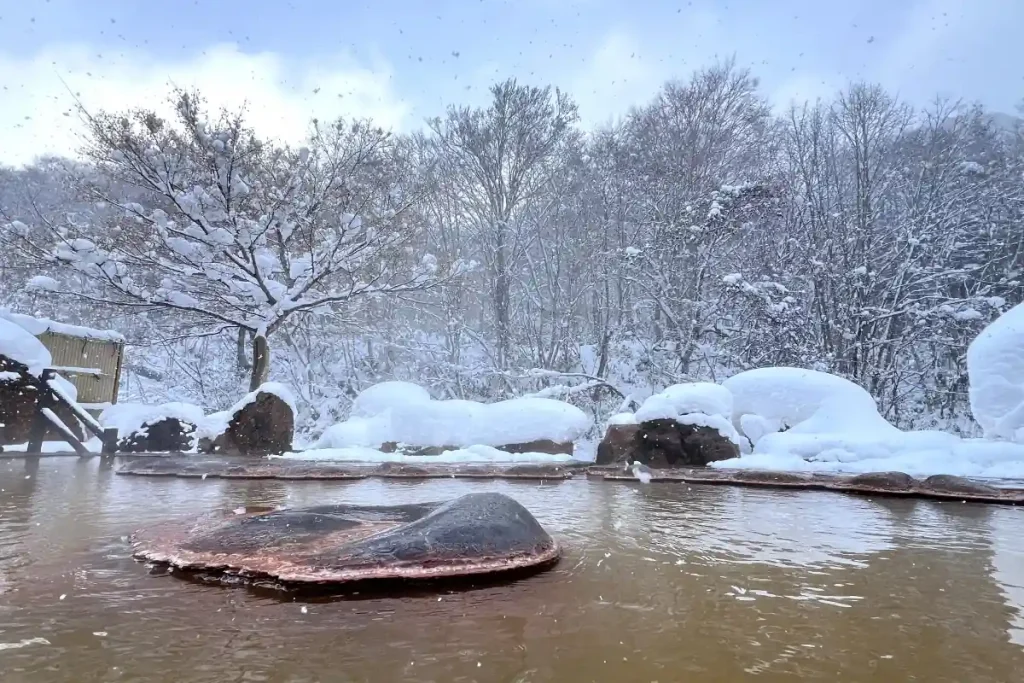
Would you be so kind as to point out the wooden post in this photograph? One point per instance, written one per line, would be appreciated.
(39, 422)
(109, 440)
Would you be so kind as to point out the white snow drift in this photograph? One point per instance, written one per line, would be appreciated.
(404, 413)
(995, 364)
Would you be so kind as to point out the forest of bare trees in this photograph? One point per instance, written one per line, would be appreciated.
(504, 250)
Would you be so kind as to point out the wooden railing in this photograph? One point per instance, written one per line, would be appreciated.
(51, 396)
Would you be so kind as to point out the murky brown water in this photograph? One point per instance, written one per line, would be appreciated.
(659, 583)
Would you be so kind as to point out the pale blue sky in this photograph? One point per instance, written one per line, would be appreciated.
(396, 60)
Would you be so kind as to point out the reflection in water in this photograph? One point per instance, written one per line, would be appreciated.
(1008, 567)
(662, 582)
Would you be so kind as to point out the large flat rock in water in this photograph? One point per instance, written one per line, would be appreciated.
(475, 534)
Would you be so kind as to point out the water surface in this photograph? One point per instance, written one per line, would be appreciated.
(664, 582)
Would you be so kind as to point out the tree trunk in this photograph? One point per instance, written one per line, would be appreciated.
(242, 356)
(260, 361)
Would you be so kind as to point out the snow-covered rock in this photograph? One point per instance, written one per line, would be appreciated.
(130, 418)
(261, 423)
(403, 413)
(995, 367)
(701, 404)
(19, 345)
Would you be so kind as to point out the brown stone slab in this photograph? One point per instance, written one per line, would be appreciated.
(479, 533)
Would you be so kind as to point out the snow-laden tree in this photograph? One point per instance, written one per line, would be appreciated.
(229, 230)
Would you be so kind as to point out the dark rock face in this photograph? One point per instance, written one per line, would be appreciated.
(663, 444)
(947, 483)
(617, 444)
(477, 533)
(168, 435)
(882, 481)
(265, 426)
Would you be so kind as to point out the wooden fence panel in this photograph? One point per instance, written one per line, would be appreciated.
(92, 365)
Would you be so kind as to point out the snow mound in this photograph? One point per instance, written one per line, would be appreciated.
(702, 404)
(37, 326)
(680, 399)
(474, 454)
(399, 412)
(215, 424)
(804, 402)
(129, 418)
(377, 399)
(995, 367)
(19, 345)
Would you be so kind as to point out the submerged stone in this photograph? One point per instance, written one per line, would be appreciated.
(947, 483)
(475, 534)
(881, 481)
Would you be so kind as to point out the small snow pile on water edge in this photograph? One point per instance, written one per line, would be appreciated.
(995, 367)
(401, 412)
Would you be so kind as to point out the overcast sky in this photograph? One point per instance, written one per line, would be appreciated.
(400, 62)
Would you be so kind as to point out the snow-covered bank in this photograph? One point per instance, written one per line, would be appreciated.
(853, 455)
(470, 454)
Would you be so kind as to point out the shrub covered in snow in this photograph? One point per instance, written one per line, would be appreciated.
(995, 366)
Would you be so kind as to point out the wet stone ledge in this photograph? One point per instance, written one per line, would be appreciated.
(941, 487)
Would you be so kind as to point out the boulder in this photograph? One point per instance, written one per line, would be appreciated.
(263, 426)
(617, 445)
(662, 444)
(166, 435)
(475, 534)
(881, 481)
(952, 485)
